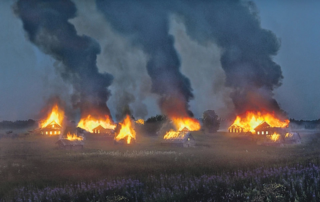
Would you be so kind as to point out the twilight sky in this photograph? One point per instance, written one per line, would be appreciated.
(28, 77)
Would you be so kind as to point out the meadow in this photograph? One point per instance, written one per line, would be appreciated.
(222, 167)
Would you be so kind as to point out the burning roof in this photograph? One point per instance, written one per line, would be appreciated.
(54, 117)
(89, 123)
(251, 120)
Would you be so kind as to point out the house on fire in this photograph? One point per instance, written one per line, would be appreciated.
(236, 129)
(184, 139)
(51, 129)
(266, 129)
(103, 131)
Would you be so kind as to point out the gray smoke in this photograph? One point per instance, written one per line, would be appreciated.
(47, 25)
(146, 24)
(247, 49)
(233, 25)
(131, 85)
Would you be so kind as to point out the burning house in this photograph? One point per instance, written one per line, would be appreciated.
(257, 122)
(236, 129)
(177, 131)
(51, 129)
(103, 131)
(52, 124)
(101, 125)
(181, 138)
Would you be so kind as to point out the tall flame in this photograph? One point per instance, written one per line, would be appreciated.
(253, 119)
(126, 130)
(89, 123)
(56, 115)
(73, 137)
(181, 123)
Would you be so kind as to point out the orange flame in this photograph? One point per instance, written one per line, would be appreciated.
(186, 122)
(73, 137)
(140, 121)
(171, 135)
(126, 130)
(254, 119)
(175, 134)
(56, 116)
(89, 123)
(275, 137)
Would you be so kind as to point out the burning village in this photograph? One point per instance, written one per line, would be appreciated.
(119, 100)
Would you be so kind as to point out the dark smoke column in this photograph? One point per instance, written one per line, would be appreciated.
(47, 26)
(247, 49)
(146, 25)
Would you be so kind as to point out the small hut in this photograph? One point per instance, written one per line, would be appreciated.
(51, 129)
(70, 145)
(184, 139)
(236, 129)
(103, 131)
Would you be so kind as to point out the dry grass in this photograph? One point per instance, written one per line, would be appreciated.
(36, 160)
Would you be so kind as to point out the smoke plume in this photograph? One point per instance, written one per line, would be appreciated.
(47, 26)
(247, 49)
(146, 24)
(233, 25)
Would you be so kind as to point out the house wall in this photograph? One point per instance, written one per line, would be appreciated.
(51, 131)
(235, 130)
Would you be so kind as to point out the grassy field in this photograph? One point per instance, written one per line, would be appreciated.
(222, 167)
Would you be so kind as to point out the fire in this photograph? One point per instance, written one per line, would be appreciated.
(56, 116)
(73, 137)
(190, 124)
(275, 137)
(126, 130)
(171, 135)
(288, 135)
(254, 119)
(140, 121)
(89, 123)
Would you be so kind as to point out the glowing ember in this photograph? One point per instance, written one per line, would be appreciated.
(190, 124)
(140, 121)
(126, 130)
(73, 137)
(89, 123)
(254, 119)
(55, 117)
(275, 137)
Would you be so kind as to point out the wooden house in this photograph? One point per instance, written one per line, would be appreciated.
(103, 131)
(184, 139)
(236, 129)
(51, 129)
(266, 129)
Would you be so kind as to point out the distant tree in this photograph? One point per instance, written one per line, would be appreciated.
(157, 118)
(17, 124)
(211, 121)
